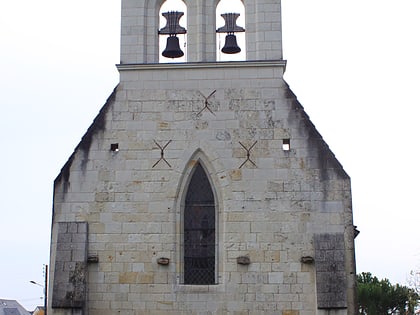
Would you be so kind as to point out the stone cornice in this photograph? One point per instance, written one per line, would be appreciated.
(203, 65)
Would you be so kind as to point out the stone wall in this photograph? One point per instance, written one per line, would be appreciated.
(271, 200)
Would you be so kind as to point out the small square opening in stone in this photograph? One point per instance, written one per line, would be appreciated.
(286, 144)
(114, 147)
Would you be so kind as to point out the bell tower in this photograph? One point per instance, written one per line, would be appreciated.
(140, 30)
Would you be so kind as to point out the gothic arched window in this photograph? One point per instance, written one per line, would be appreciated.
(199, 230)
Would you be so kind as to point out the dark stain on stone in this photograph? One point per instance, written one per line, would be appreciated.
(97, 126)
(327, 162)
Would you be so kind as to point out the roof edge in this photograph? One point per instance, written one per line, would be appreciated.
(327, 159)
(97, 125)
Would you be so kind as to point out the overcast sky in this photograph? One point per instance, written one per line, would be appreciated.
(353, 64)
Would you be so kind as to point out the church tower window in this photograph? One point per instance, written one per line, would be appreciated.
(230, 34)
(199, 230)
(172, 31)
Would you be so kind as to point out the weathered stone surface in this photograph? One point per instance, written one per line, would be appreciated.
(70, 270)
(331, 281)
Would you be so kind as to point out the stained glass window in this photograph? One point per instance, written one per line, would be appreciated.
(199, 230)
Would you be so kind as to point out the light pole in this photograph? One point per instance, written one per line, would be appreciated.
(45, 287)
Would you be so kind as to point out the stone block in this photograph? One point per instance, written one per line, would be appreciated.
(275, 277)
(63, 255)
(145, 278)
(128, 277)
(272, 256)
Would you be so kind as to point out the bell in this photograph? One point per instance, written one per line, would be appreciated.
(231, 46)
(172, 49)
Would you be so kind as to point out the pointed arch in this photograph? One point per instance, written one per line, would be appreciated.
(199, 230)
(198, 218)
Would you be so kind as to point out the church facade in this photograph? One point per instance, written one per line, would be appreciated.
(202, 187)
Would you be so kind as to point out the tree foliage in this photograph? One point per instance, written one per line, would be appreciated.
(414, 280)
(380, 297)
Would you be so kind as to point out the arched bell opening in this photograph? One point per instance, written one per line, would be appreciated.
(173, 31)
(230, 30)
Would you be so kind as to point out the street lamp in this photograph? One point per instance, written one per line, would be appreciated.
(44, 287)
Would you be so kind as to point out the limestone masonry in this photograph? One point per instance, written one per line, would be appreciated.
(202, 187)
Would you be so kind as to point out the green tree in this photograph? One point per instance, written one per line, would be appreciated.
(414, 280)
(380, 297)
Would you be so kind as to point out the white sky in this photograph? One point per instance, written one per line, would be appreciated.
(353, 64)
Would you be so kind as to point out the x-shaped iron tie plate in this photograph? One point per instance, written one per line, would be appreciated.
(206, 103)
(248, 154)
(162, 153)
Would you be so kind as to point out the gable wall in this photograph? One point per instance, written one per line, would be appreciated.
(269, 211)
